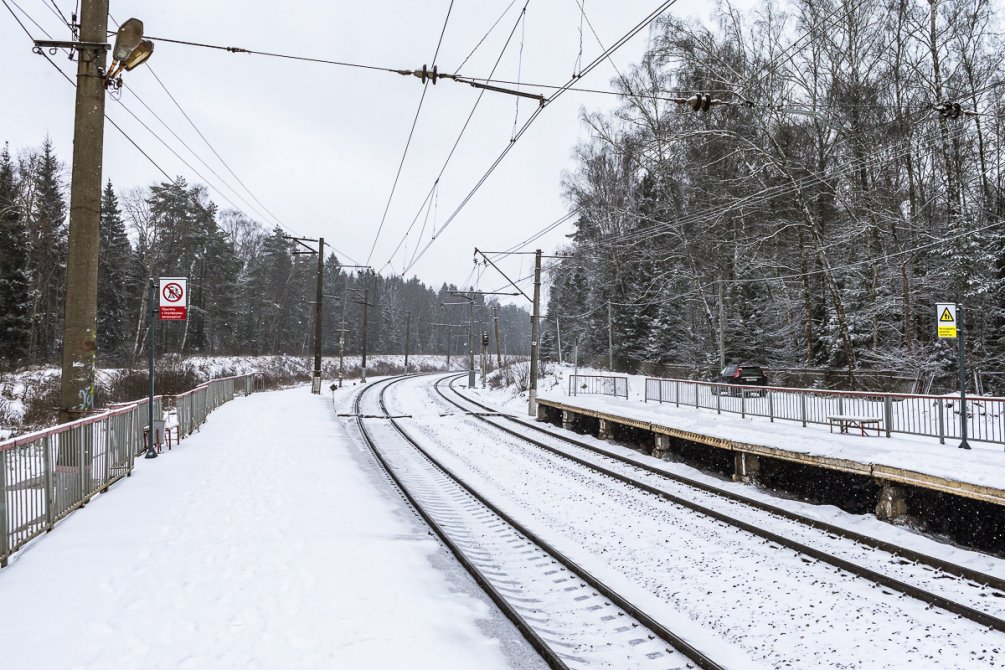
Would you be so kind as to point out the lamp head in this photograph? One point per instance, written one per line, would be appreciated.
(139, 55)
(128, 37)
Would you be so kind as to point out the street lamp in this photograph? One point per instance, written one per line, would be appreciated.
(130, 50)
(81, 297)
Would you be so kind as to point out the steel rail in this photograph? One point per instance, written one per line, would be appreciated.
(698, 657)
(539, 645)
(977, 616)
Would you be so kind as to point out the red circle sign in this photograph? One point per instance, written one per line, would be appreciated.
(173, 292)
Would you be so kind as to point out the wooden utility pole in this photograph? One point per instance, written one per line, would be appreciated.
(534, 333)
(341, 342)
(80, 344)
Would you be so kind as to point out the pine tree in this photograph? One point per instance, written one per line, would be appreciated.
(116, 279)
(47, 231)
(15, 303)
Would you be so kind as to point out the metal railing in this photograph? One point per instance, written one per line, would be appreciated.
(908, 414)
(46, 475)
(598, 385)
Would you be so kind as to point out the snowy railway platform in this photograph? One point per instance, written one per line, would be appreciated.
(902, 475)
(267, 540)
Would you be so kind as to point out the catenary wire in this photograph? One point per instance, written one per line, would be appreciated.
(533, 117)
(408, 143)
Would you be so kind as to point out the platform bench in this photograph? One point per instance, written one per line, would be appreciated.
(846, 421)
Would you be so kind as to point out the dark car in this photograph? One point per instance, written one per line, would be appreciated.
(744, 374)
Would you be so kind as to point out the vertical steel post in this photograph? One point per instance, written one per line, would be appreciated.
(610, 339)
(471, 344)
(535, 326)
(151, 452)
(558, 332)
(408, 328)
(961, 339)
(722, 331)
(495, 318)
(366, 307)
(316, 379)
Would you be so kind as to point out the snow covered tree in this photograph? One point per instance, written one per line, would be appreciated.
(15, 301)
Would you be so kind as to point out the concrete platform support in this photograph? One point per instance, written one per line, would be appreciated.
(604, 431)
(568, 420)
(542, 413)
(747, 468)
(892, 502)
(661, 447)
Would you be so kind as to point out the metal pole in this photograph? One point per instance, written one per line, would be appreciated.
(316, 380)
(471, 345)
(610, 339)
(495, 317)
(80, 307)
(341, 342)
(408, 326)
(366, 305)
(963, 378)
(485, 337)
(151, 452)
(450, 341)
(534, 334)
(722, 336)
(575, 362)
(558, 331)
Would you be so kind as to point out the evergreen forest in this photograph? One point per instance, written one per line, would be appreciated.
(249, 293)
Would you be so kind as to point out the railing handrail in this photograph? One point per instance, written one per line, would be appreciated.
(812, 391)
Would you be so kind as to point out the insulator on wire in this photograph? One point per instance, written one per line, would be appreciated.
(950, 110)
(701, 102)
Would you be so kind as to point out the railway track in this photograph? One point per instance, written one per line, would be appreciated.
(961, 591)
(571, 618)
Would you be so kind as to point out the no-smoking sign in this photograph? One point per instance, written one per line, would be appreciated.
(173, 298)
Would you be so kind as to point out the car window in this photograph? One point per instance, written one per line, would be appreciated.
(752, 370)
(728, 371)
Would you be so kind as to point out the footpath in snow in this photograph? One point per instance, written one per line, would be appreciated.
(267, 540)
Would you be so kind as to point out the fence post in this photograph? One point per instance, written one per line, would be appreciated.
(802, 407)
(4, 540)
(942, 427)
(49, 488)
(696, 405)
(676, 393)
(718, 399)
(771, 406)
(888, 413)
(660, 383)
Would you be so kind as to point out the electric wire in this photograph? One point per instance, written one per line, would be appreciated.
(533, 117)
(460, 135)
(408, 143)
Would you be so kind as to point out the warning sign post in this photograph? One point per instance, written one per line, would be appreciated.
(945, 319)
(173, 298)
(949, 324)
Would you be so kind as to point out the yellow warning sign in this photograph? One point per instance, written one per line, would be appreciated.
(946, 319)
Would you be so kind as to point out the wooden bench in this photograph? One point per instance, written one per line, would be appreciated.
(846, 421)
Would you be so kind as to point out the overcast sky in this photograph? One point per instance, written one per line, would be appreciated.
(319, 145)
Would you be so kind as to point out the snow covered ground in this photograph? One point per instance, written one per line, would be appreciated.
(257, 543)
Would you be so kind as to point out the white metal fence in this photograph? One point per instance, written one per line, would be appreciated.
(598, 385)
(47, 474)
(927, 415)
